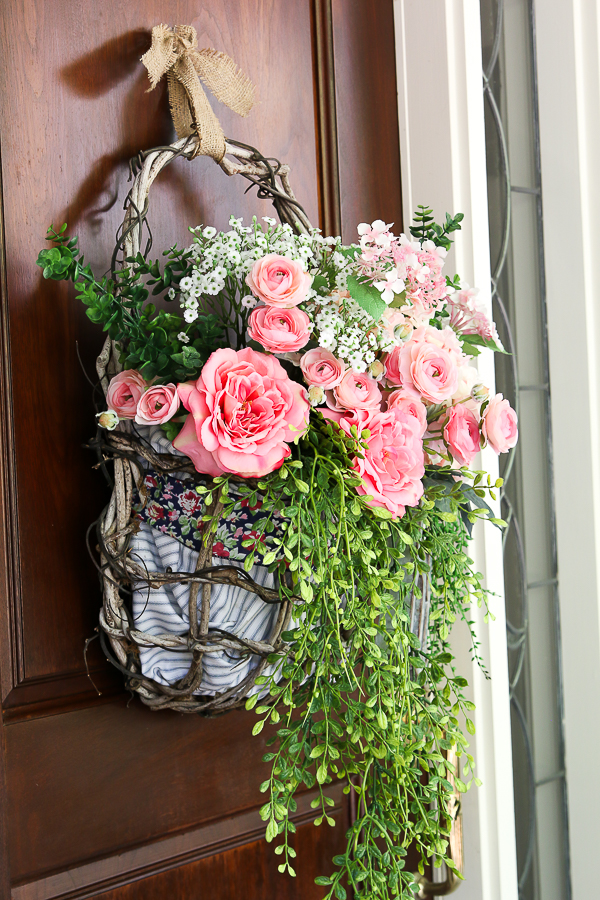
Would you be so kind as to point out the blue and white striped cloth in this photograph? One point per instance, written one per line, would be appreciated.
(165, 610)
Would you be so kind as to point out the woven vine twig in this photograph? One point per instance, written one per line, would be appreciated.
(119, 569)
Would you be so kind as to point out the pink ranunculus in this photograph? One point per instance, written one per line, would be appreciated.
(321, 368)
(245, 411)
(392, 367)
(124, 392)
(355, 392)
(157, 405)
(461, 432)
(393, 465)
(410, 403)
(429, 363)
(279, 281)
(279, 330)
(500, 425)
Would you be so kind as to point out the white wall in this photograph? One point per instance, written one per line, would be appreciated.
(443, 165)
(568, 48)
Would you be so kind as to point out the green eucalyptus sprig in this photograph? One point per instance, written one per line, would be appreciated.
(148, 337)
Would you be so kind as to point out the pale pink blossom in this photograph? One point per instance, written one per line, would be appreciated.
(390, 286)
(321, 368)
(355, 391)
(461, 432)
(245, 411)
(157, 405)
(468, 315)
(467, 378)
(279, 281)
(500, 428)
(279, 330)
(124, 392)
(376, 233)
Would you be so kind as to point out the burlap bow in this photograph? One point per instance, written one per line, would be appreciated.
(174, 52)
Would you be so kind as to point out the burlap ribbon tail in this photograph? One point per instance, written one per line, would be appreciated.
(174, 53)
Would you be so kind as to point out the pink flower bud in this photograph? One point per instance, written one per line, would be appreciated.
(316, 395)
(376, 369)
(108, 419)
(480, 393)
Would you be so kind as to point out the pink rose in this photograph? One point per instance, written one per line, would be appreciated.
(461, 432)
(279, 281)
(410, 403)
(429, 362)
(124, 392)
(355, 392)
(244, 413)
(279, 330)
(393, 465)
(157, 405)
(500, 425)
(321, 368)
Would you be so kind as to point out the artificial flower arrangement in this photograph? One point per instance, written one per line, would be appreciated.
(332, 388)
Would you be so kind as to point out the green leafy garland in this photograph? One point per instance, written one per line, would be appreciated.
(353, 695)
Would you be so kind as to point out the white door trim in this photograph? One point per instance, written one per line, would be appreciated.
(442, 147)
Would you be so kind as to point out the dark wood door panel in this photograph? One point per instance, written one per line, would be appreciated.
(248, 872)
(98, 793)
(95, 781)
(367, 113)
(74, 110)
(138, 866)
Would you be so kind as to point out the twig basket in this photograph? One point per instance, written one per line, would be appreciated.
(121, 569)
(131, 456)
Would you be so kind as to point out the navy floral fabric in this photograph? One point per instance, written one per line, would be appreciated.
(175, 508)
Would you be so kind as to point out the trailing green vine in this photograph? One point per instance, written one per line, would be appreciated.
(353, 696)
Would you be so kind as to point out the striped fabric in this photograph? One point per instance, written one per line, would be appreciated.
(165, 609)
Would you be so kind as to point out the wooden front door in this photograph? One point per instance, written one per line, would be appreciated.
(102, 797)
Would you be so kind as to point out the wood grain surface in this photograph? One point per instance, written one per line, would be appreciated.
(89, 777)
(367, 113)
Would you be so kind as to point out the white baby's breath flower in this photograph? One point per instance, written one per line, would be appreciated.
(327, 340)
(209, 232)
(190, 315)
(182, 336)
(249, 301)
(171, 294)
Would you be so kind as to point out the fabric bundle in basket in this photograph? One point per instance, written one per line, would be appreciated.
(170, 537)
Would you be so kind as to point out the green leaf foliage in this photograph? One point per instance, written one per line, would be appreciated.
(356, 697)
(148, 336)
(367, 296)
(424, 228)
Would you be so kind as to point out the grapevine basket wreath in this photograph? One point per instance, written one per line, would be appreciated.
(290, 454)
